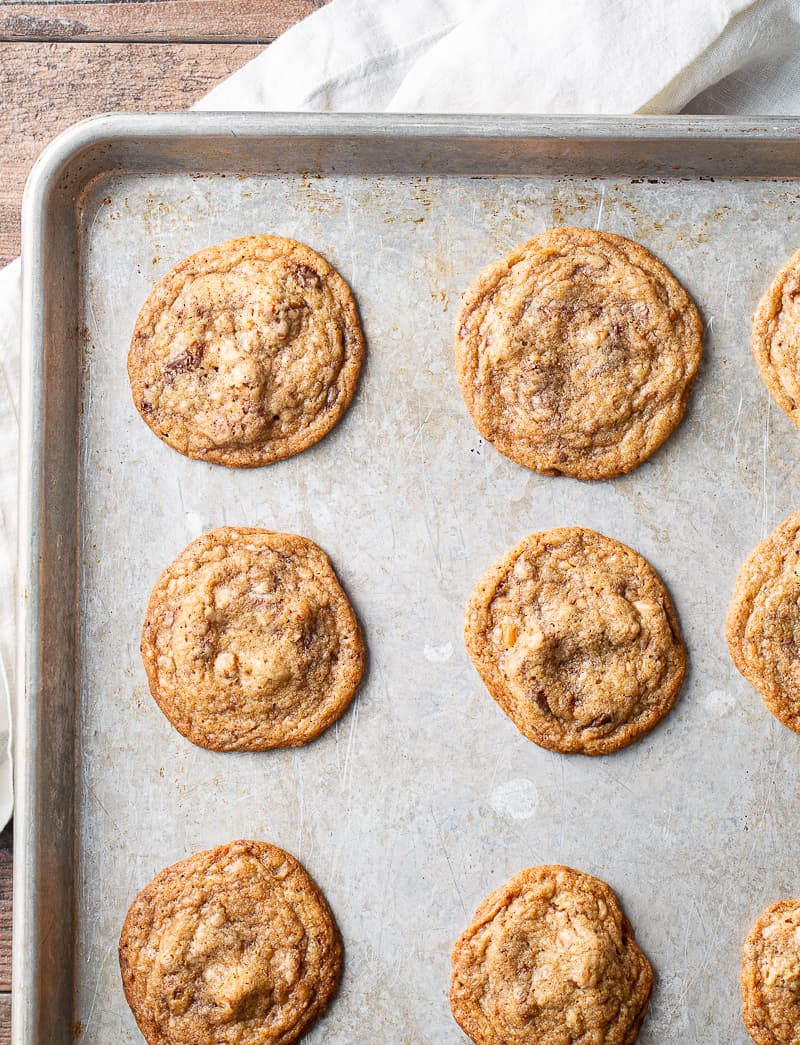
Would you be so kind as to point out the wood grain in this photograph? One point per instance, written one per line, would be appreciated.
(73, 81)
(5, 1019)
(6, 841)
(153, 21)
(5, 915)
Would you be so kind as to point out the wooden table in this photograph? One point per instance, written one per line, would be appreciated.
(62, 62)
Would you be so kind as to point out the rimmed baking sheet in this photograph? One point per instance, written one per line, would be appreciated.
(423, 797)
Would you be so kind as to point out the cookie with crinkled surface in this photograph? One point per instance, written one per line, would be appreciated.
(771, 976)
(576, 353)
(233, 946)
(576, 638)
(763, 625)
(249, 641)
(776, 338)
(246, 352)
(550, 958)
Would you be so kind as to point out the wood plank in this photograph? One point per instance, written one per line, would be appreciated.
(5, 1019)
(6, 890)
(47, 87)
(196, 21)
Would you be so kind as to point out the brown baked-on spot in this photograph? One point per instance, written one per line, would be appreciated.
(764, 621)
(233, 946)
(576, 353)
(770, 973)
(238, 363)
(250, 643)
(576, 638)
(550, 958)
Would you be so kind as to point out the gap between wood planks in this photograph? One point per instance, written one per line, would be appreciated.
(152, 21)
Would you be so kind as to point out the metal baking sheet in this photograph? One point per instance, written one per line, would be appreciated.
(423, 797)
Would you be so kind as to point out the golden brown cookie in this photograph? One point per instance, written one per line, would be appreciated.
(576, 353)
(763, 626)
(577, 640)
(550, 958)
(234, 946)
(249, 641)
(771, 976)
(247, 352)
(776, 338)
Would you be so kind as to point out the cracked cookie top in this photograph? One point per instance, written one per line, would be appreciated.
(249, 641)
(771, 976)
(763, 624)
(550, 958)
(577, 640)
(776, 337)
(576, 353)
(233, 946)
(246, 352)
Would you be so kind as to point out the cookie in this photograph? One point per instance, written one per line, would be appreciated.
(550, 958)
(576, 353)
(234, 946)
(763, 625)
(249, 641)
(776, 338)
(577, 640)
(247, 352)
(771, 976)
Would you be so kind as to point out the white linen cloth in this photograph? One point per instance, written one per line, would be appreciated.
(522, 56)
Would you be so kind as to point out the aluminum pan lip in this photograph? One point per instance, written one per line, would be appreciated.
(60, 159)
(115, 127)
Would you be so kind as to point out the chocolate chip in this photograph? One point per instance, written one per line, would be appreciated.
(541, 700)
(601, 720)
(307, 277)
(184, 363)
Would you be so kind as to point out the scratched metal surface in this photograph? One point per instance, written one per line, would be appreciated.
(424, 797)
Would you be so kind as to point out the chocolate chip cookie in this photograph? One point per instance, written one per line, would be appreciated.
(771, 976)
(249, 641)
(576, 353)
(776, 338)
(247, 352)
(234, 946)
(550, 958)
(577, 640)
(763, 626)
